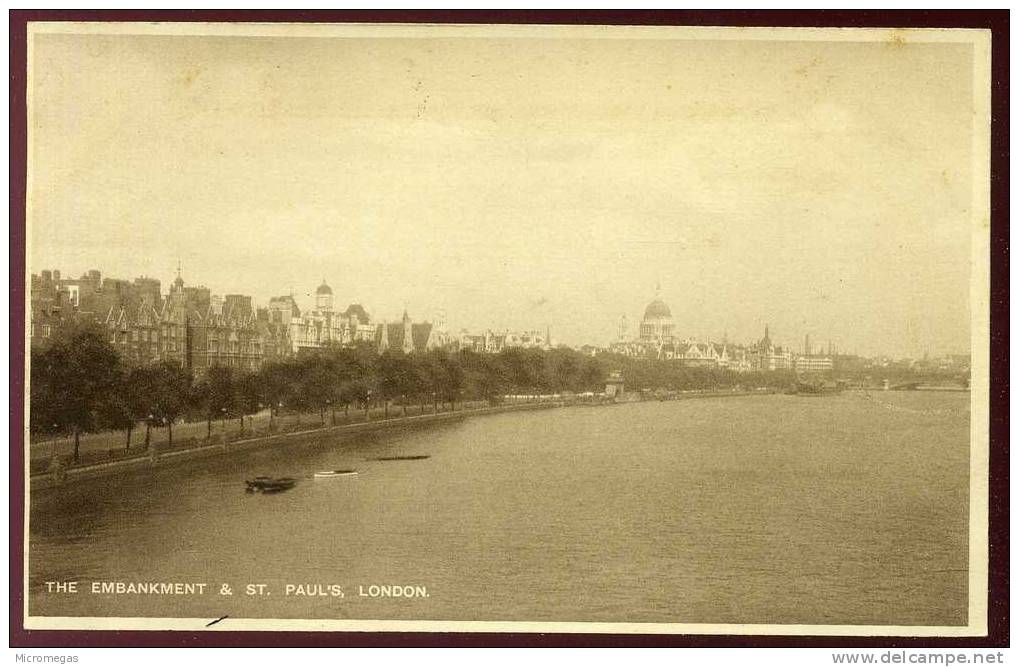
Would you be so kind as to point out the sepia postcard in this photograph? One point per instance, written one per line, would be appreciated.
(507, 328)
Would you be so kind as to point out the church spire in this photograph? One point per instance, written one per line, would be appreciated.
(178, 281)
(408, 332)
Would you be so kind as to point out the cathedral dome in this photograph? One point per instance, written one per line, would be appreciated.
(324, 289)
(657, 310)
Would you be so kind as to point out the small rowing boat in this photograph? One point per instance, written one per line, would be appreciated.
(264, 484)
(335, 473)
(415, 457)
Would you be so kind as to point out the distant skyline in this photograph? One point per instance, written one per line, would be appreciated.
(523, 183)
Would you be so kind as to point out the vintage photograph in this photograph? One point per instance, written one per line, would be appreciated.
(507, 328)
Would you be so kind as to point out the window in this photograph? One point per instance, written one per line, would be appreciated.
(46, 331)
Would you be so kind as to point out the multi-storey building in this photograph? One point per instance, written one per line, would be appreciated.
(230, 339)
(813, 363)
(275, 337)
(282, 310)
(56, 301)
(323, 326)
(405, 336)
(188, 326)
(766, 356)
(695, 353)
(491, 342)
(318, 327)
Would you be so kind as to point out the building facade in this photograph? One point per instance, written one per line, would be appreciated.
(657, 324)
(766, 356)
(492, 342)
(813, 363)
(188, 326)
(197, 329)
(322, 326)
(407, 336)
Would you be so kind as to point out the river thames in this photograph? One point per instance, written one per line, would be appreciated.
(848, 509)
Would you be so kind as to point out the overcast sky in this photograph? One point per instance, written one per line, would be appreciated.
(821, 187)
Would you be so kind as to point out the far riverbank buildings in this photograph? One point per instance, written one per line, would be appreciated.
(657, 338)
(198, 329)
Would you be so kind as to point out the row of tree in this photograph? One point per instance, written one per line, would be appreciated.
(79, 385)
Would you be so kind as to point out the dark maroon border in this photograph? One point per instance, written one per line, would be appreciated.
(998, 608)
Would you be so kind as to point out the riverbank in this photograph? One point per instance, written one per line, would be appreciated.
(221, 444)
(100, 446)
(47, 472)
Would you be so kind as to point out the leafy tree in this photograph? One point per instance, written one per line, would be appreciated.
(115, 410)
(561, 370)
(360, 391)
(393, 377)
(419, 378)
(247, 396)
(432, 370)
(172, 394)
(592, 375)
(484, 376)
(363, 368)
(273, 381)
(448, 377)
(215, 395)
(318, 382)
(140, 386)
(74, 381)
(524, 368)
